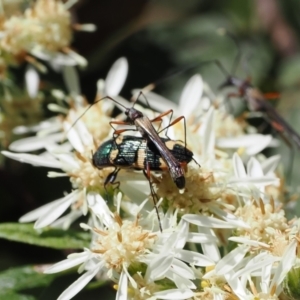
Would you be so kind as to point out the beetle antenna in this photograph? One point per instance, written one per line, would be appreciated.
(95, 102)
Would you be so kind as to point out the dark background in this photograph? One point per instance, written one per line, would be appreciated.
(158, 38)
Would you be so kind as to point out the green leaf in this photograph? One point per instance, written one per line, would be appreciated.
(52, 238)
(13, 296)
(26, 277)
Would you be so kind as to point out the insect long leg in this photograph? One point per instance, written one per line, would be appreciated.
(119, 131)
(142, 94)
(110, 179)
(153, 194)
(173, 123)
(160, 122)
(159, 118)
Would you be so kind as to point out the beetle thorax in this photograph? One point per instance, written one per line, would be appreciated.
(133, 114)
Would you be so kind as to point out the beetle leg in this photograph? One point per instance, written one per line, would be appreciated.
(110, 179)
(159, 119)
(153, 194)
(119, 131)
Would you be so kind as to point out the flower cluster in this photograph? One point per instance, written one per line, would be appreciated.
(43, 29)
(224, 237)
(39, 34)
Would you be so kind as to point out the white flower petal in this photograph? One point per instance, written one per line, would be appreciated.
(206, 221)
(57, 58)
(67, 162)
(238, 166)
(229, 261)
(183, 230)
(180, 281)
(49, 127)
(133, 189)
(266, 274)
(87, 27)
(116, 77)
(122, 287)
(246, 241)
(175, 294)
(270, 164)
(56, 174)
(157, 102)
(79, 284)
(74, 137)
(285, 264)
(71, 80)
(251, 142)
(56, 210)
(34, 160)
(32, 80)
(257, 263)
(35, 142)
(84, 134)
(238, 288)
(182, 269)
(80, 60)
(158, 268)
(36, 213)
(24, 129)
(210, 249)
(259, 146)
(173, 241)
(99, 207)
(208, 143)
(191, 95)
(72, 261)
(230, 218)
(100, 89)
(259, 181)
(66, 221)
(195, 258)
(132, 281)
(254, 168)
(194, 237)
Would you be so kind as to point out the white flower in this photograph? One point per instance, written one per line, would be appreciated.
(49, 132)
(23, 32)
(247, 245)
(252, 182)
(120, 246)
(269, 279)
(84, 177)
